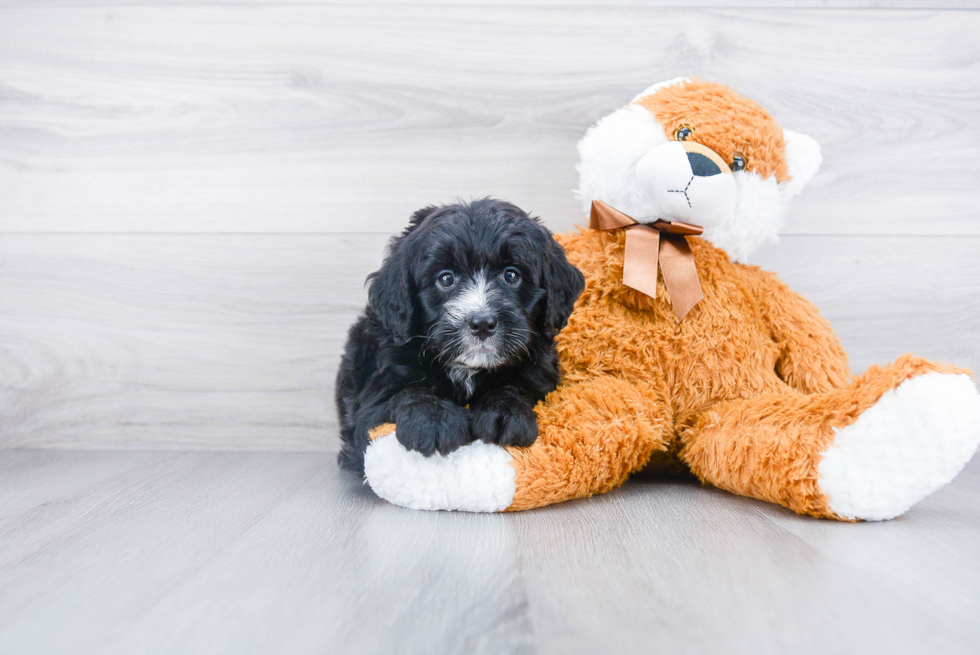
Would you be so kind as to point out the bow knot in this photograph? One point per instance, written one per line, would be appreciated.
(649, 245)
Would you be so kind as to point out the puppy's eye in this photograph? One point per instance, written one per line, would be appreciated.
(512, 276)
(738, 162)
(446, 279)
(683, 133)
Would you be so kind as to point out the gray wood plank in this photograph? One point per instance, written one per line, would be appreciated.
(232, 342)
(700, 4)
(270, 553)
(342, 118)
(917, 551)
(710, 572)
(254, 553)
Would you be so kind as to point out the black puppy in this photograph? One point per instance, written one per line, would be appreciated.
(463, 311)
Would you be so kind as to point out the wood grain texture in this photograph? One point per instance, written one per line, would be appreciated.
(243, 553)
(699, 4)
(232, 341)
(342, 118)
(705, 571)
(139, 552)
(291, 140)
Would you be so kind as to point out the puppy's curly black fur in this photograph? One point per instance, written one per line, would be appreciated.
(463, 312)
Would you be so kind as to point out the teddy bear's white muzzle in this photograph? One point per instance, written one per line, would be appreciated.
(690, 184)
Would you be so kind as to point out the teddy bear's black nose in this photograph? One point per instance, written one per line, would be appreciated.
(701, 166)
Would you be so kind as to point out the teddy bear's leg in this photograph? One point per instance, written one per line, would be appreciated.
(869, 451)
(591, 436)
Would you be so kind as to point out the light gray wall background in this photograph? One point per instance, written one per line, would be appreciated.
(192, 195)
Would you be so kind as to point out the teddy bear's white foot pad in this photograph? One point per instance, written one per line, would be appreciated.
(914, 440)
(475, 478)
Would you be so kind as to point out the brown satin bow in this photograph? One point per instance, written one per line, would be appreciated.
(648, 244)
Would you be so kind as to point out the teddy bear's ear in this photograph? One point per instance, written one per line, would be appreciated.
(803, 160)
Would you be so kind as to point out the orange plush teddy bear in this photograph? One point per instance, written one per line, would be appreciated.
(711, 366)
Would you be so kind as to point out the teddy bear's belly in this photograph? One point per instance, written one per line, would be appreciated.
(694, 369)
(697, 365)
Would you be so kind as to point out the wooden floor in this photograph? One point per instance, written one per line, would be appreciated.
(191, 195)
(191, 552)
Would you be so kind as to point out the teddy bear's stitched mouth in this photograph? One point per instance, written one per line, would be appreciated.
(684, 190)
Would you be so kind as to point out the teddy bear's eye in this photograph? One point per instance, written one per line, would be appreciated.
(683, 133)
(738, 162)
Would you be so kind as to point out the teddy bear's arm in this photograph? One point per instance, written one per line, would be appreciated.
(811, 358)
(592, 435)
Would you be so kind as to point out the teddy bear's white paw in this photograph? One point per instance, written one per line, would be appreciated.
(914, 440)
(475, 478)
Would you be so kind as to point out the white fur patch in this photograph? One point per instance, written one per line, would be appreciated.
(478, 355)
(759, 213)
(914, 440)
(608, 154)
(803, 160)
(665, 174)
(475, 478)
(463, 375)
(472, 299)
(475, 298)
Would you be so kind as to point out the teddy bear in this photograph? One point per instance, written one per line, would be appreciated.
(681, 357)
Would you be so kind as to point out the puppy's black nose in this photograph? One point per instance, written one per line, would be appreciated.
(482, 326)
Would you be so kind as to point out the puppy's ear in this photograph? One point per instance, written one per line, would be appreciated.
(563, 284)
(391, 294)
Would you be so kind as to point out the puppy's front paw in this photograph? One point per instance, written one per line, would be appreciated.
(514, 425)
(432, 425)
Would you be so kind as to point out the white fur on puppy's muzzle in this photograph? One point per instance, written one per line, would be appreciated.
(665, 174)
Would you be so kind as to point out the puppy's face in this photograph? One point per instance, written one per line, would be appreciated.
(479, 281)
(478, 292)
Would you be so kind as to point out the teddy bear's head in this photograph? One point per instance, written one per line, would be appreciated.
(700, 153)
